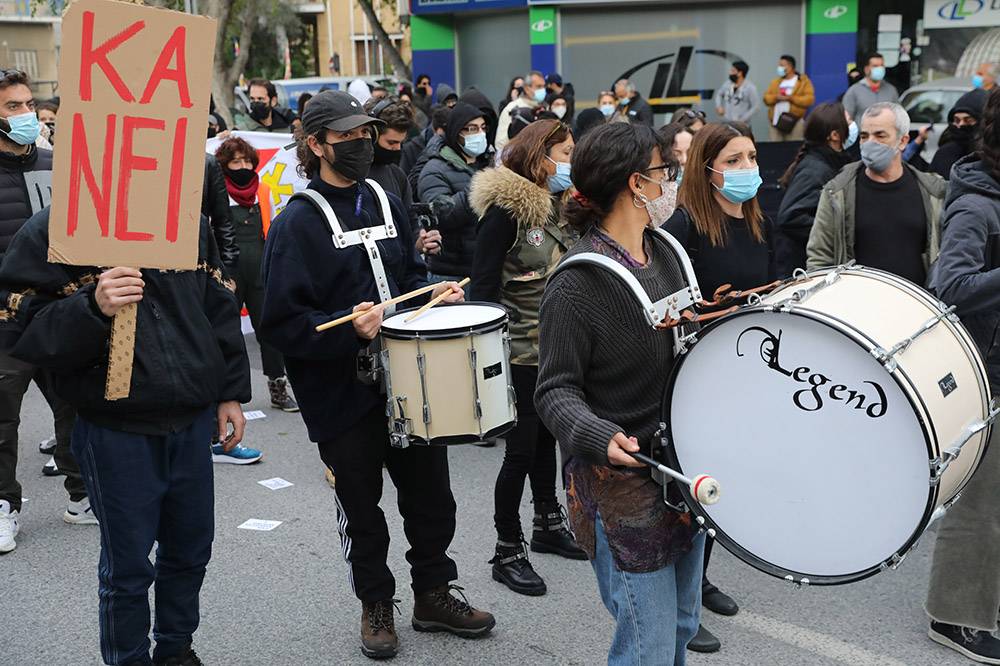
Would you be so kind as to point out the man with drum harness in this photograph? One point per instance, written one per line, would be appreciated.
(340, 247)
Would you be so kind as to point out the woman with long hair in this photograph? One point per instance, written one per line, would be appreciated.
(965, 576)
(602, 372)
(729, 241)
(827, 136)
(520, 241)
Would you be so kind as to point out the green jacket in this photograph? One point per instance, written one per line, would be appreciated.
(831, 242)
(541, 242)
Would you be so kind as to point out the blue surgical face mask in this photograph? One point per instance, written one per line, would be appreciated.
(624, 101)
(878, 73)
(852, 135)
(607, 110)
(977, 81)
(781, 71)
(680, 175)
(739, 185)
(540, 95)
(24, 128)
(560, 181)
(475, 145)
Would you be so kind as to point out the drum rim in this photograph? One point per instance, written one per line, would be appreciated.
(448, 333)
(905, 385)
(470, 438)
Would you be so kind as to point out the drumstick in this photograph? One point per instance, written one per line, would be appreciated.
(392, 301)
(434, 302)
(704, 488)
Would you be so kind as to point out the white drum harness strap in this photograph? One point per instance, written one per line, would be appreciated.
(366, 236)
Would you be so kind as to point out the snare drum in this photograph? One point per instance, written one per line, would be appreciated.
(831, 413)
(447, 375)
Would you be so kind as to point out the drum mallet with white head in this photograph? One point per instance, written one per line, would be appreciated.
(703, 488)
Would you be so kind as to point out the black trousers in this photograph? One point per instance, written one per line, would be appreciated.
(250, 292)
(531, 452)
(15, 377)
(423, 488)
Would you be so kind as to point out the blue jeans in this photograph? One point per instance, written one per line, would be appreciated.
(145, 489)
(656, 613)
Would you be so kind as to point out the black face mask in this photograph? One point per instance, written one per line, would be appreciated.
(386, 156)
(241, 177)
(212, 131)
(734, 77)
(259, 110)
(352, 159)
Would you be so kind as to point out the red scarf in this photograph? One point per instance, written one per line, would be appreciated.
(243, 196)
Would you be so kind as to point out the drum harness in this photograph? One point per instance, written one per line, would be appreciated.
(368, 363)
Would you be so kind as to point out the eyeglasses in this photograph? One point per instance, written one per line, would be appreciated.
(555, 128)
(469, 130)
(694, 114)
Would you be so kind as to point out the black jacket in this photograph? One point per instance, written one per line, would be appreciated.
(215, 206)
(639, 110)
(25, 189)
(308, 281)
(967, 271)
(413, 148)
(444, 185)
(817, 167)
(955, 144)
(476, 98)
(189, 350)
(432, 148)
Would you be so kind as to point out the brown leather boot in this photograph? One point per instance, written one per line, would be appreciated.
(439, 610)
(378, 630)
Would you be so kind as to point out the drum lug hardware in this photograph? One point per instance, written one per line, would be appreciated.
(421, 367)
(885, 357)
(402, 427)
(477, 409)
(940, 464)
(888, 358)
(800, 295)
(893, 562)
(797, 583)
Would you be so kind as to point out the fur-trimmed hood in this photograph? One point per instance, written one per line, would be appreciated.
(526, 202)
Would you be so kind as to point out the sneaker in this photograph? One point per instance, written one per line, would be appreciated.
(47, 446)
(80, 513)
(186, 658)
(280, 399)
(9, 527)
(378, 630)
(240, 455)
(438, 610)
(979, 646)
(51, 469)
(331, 478)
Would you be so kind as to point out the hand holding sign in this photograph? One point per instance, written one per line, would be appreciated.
(134, 88)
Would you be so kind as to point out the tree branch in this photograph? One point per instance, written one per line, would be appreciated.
(398, 65)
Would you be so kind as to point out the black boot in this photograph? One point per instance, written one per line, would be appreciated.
(512, 568)
(704, 641)
(551, 535)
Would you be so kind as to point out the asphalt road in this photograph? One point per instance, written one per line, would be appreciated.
(282, 597)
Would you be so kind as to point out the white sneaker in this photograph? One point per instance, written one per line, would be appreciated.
(9, 527)
(80, 513)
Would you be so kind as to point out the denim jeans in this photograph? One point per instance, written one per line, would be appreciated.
(656, 613)
(145, 489)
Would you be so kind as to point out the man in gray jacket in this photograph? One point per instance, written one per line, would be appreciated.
(737, 99)
(881, 212)
(870, 90)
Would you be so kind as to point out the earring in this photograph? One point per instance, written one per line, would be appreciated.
(640, 200)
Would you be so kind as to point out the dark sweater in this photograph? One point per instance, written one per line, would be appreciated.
(741, 262)
(307, 282)
(891, 226)
(602, 368)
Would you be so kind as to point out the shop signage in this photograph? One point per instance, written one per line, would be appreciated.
(668, 93)
(961, 13)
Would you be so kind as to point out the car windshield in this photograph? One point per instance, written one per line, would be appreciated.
(930, 106)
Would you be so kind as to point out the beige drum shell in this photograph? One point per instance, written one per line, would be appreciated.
(449, 383)
(888, 309)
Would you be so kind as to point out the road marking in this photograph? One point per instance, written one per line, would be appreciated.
(693, 33)
(812, 641)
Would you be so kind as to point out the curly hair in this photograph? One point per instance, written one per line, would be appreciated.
(309, 161)
(397, 115)
(233, 147)
(14, 77)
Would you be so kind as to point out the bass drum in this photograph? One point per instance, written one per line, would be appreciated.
(825, 411)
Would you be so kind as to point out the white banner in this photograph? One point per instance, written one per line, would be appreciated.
(278, 177)
(961, 13)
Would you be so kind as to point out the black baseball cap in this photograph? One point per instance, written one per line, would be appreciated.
(335, 110)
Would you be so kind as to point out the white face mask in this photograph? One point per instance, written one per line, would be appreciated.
(560, 111)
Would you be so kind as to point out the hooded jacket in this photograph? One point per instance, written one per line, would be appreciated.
(474, 97)
(957, 142)
(25, 189)
(443, 92)
(525, 243)
(444, 185)
(831, 242)
(189, 349)
(967, 272)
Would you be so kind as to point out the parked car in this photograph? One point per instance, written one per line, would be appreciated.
(289, 90)
(929, 104)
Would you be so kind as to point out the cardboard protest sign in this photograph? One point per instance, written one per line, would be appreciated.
(134, 85)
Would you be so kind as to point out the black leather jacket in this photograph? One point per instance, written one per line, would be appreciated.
(215, 206)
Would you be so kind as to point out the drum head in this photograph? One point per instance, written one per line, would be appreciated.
(822, 461)
(446, 321)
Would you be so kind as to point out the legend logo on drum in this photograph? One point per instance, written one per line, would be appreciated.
(819, 389)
